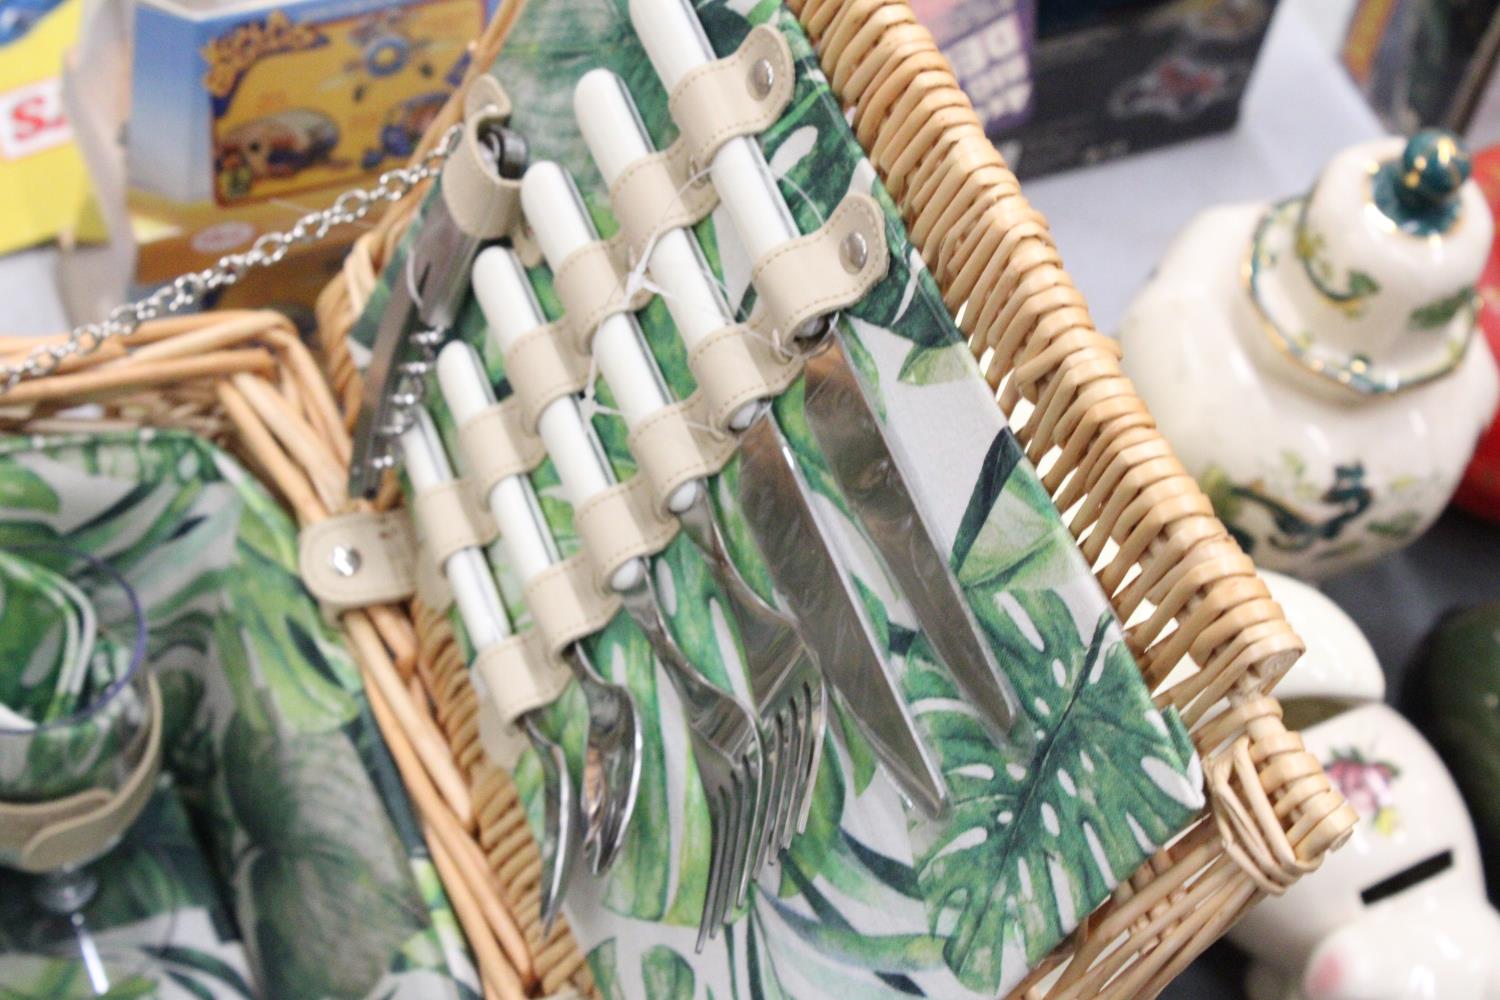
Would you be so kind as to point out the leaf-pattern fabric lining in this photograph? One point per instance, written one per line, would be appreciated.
(872, 901)
(268, 742)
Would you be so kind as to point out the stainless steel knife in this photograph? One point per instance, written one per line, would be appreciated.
(777, 505)
(860, 454)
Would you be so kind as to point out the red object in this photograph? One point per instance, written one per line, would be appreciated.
(1479, 492)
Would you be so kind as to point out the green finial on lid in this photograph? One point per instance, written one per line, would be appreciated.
(1418, 192)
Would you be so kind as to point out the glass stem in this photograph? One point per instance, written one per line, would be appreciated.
(65, 893)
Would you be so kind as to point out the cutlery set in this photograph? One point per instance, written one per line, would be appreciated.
(756, 756)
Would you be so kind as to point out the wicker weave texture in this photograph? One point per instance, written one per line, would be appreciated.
(1209, 639)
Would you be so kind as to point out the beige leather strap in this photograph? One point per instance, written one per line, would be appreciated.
(497, 445)
(486, 94)
(448, 517)
(677, 444)
(543, 365)
(658, 193)
(622, 523)
(590, 283)
(359, 559)
(568, 602)
(738, 365)
(42, 837)
(512, 678)
(741, 94)
(816, 274)
(480, 201)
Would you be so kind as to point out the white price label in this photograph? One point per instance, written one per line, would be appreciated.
(32, 119)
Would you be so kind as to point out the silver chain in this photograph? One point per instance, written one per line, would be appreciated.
(187, 290)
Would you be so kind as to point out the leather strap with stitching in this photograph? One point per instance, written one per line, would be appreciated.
(448, 517)
(807, 277)
(738, 365)
(542, 365)
(655, 195)
(480, 201)
(496, 445)
(716, 102)
(568, 602)
(377, 564)
(622, 523)
(677, 444)
(590, 283)
(511, 678)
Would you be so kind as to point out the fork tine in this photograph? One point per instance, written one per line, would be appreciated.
(773, 777)
(734, 879)
(723, 880)
(809, 756)
(794, 724)
(716, 844)
(783, 746)
(817, 695)
(729, 819)
(753, 768)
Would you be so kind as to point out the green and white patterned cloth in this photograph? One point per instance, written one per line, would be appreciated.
(279, 797)
(64, 712)
(873, 901)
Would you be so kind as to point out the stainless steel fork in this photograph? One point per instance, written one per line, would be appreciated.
(727, 751)
(788, 690)
(559, 834)
(612, 762)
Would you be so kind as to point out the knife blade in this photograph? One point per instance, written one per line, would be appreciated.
(777, 505)
(860, 455)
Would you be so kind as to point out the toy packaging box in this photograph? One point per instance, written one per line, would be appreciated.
(989, 44)
(1112, 77)
(245, 117)
(1429, 62)
(44, 188)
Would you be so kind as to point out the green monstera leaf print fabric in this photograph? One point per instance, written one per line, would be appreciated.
(873, 900)
(268, 743)
(159, 922)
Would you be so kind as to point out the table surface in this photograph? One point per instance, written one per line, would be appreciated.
(1112, 223)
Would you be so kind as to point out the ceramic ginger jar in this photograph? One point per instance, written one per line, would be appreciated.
(1313, 360)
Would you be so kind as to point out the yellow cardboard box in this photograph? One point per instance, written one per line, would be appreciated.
(44, 188)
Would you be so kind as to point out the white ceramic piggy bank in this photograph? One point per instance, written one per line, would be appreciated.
(1399, 913)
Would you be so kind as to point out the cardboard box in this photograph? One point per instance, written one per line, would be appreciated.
(44, 188)
(988, 42)
(1113, 77)
(244, 118)
(1429, 63)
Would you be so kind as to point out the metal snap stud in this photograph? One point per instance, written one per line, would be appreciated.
(345, 560)
(762, 79)
(854, 251)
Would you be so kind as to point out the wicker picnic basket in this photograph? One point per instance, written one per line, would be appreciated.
(1179, 581)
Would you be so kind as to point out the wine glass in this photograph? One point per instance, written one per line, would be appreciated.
(80, 749)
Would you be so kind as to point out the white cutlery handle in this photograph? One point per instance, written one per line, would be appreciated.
(511, 310)
(616, 137)
(474, 588)
(562, 225)
(467, 390)
(675, 43)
